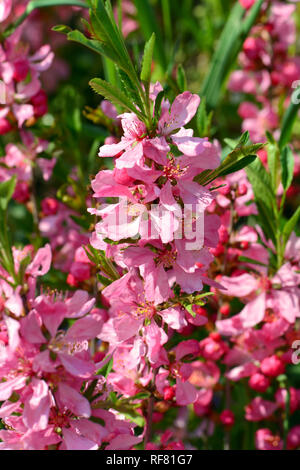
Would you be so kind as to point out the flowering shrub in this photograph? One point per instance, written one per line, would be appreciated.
(150, 295)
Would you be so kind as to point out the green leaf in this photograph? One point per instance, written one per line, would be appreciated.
(129, 88)
(157, 107)
(243, 139)
(114, 94)
(94, 45)
(133, 416)
(287, 167)
(230, 162)
(106, 369)
(61, 28)
(242, 163)
(290, 226)
(141, 396)
(204, 119)
(149, 25)
(147, 60)
(7, 189)
(51, 3)
(107, 32)
(232, 143)
(230, 43)
(245, 259)
(289, 119)
(265, 198)
(273, 160)
(104, 280)
(181, 79)
(189, 308)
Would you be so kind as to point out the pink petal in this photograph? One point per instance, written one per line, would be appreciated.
(73, 400)
(77, 367)
(41, 262)
(37, 406)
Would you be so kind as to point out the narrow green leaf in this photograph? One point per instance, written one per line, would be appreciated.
(157, 107)
(104, 280)
(106, 369)
(273, 160)
(107, 32)
(232, 159)
(287, 167)
(149, 25)
(264, 197)
(290, 226)
(243, 139)
(61, 28)
(181, 78)
(6, 191)
(230, 43)
(129, 89)
(147, 60)
(289, 119)
(94, 45)
(114, 95)
(141, 396)
(204, 119)
(261, 183)
(245, 259)
(242, 163)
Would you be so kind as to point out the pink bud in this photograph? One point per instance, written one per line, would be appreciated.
(242, 190)
(225, 310)
(39, 102)
(169, 393)
(22, 193)
(218, 251)
(49, 206)
(244, 245)
(272, 366)
(227, 418)
(225, 190)
(5, 126)
(223, 234)
(21, 69)
(215, 336)
(247, 3)
(259, 382)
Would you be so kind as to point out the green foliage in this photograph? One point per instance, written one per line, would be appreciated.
(149, 25)
(287, 167)
(230, 43)
(6, 191)
(147, 60)
(113, 94)
(241, 156)
(289, 119)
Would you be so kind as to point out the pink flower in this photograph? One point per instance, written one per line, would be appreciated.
(293, 438)
(265, 440)
(212, 349)
(247, 3)
(260, 409)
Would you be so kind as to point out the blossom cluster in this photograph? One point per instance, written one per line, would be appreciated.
(147, 291)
